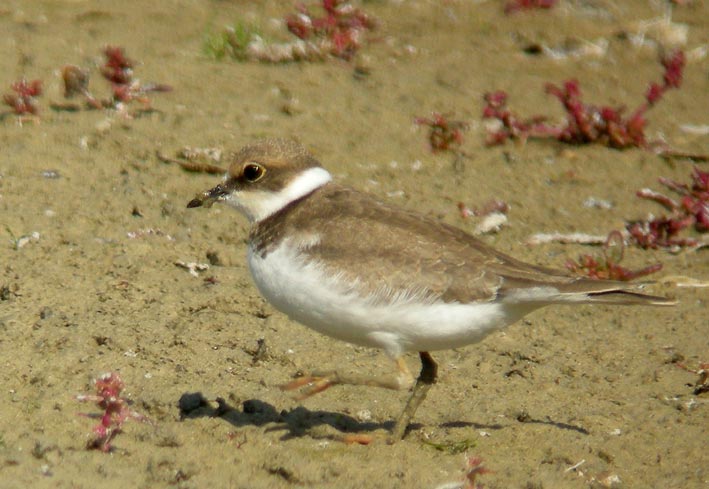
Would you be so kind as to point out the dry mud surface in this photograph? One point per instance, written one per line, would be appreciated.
(99, 290)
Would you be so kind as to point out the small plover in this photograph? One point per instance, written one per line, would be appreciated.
(355, 268)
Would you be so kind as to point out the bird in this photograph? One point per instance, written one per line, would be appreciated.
(355, 268)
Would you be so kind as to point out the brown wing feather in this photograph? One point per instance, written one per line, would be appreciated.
(405, 250)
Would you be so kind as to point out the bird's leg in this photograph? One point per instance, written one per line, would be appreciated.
(427, 377)
(319, 381)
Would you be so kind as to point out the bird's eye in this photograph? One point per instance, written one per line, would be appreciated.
(253, 172)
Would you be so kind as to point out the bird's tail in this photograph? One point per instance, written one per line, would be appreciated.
(628, 298)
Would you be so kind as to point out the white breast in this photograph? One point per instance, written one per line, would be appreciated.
(326, 303)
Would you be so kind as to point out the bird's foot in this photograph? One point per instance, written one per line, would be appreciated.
(312, 384)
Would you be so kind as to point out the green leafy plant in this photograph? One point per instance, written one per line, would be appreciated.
(452, 447)
(231, 41)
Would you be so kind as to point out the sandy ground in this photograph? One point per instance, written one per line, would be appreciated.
(591, 386)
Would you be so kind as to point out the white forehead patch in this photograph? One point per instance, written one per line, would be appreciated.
(257, 205)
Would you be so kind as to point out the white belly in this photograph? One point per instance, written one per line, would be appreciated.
(324, 303)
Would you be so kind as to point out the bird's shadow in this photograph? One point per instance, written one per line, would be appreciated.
(300, 421)
(296, 422)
